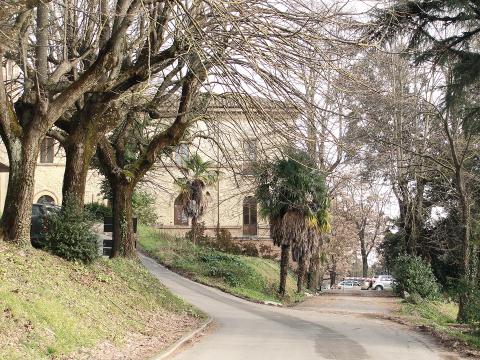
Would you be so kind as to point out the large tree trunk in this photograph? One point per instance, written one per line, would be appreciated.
(301, 273)
(467, 275)
(333, 273)
(194, 229)
(313, 276)
(363, 252)
(364, 265)
(79, 151)
(284, 258)
(123, 236)
(17, 213)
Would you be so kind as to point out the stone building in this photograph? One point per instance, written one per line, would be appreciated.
(231, 204)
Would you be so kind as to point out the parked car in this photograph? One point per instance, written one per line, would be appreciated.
(367, 284)
(347, 284)
(39, 213)
(383, 282)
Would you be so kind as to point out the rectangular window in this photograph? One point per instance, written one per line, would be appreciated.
(250, 155)
(47, 150)
(250, 148)
(182, 153)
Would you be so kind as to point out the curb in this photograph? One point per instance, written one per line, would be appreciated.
(174, 347)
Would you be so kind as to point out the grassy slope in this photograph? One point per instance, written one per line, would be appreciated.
(50, 307)
(441, 318)
(248, 277)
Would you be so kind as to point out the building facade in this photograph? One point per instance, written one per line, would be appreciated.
(226, 138)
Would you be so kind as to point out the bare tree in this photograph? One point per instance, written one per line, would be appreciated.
(77, 59)
(364, 205)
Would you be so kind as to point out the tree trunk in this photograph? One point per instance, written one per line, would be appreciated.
(301, 273)
(313, 276)
(123, 236)
(194, 229)
(363, 252)
(79, 152)
(284, 258)
(17, 213)
(465, 219)
(333, 274)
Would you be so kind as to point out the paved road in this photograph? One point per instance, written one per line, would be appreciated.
(248, 331)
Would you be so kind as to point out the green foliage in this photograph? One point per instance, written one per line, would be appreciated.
(249, 249)
(224, 242)
(266, 252)
(244, 276)
(439, 316)
(291, 183)
(196, 168)
(230, 269)
(198, 233)
(53, 307)
(98, 211)
(143, 204)
(471, 314)
(69, 235)
(197, 175)
(414, 276)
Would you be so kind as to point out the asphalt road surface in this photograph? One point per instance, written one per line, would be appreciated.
(248, 331)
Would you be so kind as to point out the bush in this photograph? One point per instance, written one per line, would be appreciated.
(69, 235)
(414, 276)
(224, 242)
(230, 269)
(250, 249)
(98, 211)
(266, 252)
(472, 304)
(199, 231)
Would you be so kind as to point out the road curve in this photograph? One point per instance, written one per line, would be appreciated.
(248, 331)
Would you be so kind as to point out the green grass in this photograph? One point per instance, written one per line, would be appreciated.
(50, 307)
(248, 277)
(440, 317)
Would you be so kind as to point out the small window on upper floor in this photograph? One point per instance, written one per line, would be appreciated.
(250, 155)
(47, 150)
(250, 149)
(182, 154)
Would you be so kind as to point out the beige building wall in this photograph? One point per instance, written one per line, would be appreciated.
(49, 178)
(231, 129)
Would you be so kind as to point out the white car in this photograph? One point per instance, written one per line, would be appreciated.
(347, 284)
(383, 282)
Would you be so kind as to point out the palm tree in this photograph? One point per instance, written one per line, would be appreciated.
(198, 175)
(292, 195)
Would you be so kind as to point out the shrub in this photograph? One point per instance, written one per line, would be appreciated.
(224, 242)
(414, 276)
(267, 252)
(230, 269)
(98, 211)
(69, 235)
(199, 231)
(472, 304)
(250, 249)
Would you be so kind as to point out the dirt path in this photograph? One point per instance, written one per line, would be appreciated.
(351, 302)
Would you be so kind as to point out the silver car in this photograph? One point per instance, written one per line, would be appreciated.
(383, 282)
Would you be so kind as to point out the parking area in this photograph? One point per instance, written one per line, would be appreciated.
(352, 301)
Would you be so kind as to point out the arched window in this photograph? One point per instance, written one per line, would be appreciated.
(46, 199)
(179, 217)
(250, 216)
